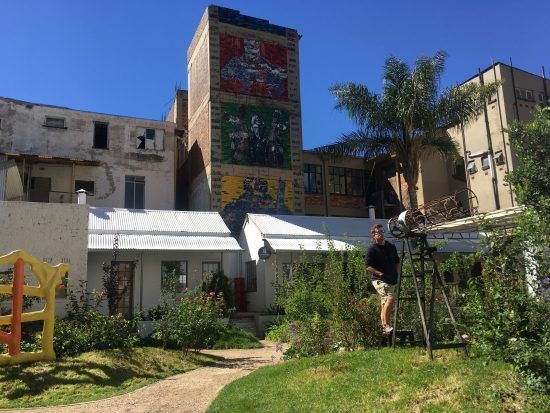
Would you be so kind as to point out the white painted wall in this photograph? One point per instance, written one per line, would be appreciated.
(148, 270)
(51, 232)
(23, 132)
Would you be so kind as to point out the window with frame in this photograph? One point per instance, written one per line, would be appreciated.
(174, 271)
(52, 122)
(148, 138)
(101, 135)
(337, 179)
(472, 168)
(134, 192)
(499, 158)
(251, 280)
(354, 182)
(313, 178)
(88, 186)
(485, 162)
(210, 267)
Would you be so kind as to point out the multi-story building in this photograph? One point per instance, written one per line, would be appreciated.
(120, 161)
(484, 143)
(245, 138)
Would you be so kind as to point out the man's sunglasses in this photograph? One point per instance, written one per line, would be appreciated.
(380, 231)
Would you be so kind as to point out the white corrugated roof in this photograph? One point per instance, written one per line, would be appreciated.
(146, 229)
(113, 220)
(304, 244)
(290, 226)
(102, 242)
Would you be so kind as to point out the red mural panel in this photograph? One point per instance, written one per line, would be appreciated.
(253, 67)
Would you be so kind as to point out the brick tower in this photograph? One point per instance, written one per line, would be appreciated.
(245, 133)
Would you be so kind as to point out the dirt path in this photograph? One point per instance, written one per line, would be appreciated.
(189, 392)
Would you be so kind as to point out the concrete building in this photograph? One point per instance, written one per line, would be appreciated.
(52, 233)
(484, 143)
(245, 138)
(120, 161)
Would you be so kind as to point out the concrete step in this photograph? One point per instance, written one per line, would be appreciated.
(246, 323)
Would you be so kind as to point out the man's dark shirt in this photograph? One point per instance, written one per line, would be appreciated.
(383, 258)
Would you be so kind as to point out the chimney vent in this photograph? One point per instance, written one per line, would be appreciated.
(81, 197)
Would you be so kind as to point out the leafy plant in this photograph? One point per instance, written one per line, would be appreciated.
(219, 283)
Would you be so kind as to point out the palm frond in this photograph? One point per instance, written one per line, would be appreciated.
(440, 143)
(356, 100)
(359, 143)
(463, 103)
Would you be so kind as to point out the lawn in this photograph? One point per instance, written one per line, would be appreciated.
(90, 376)
(381, 380)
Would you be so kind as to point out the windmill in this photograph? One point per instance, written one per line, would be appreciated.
(413, 226)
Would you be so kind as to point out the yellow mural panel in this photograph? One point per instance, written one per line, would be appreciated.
(242, 195)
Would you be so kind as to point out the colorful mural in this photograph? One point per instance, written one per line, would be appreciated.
(255, 195)
(255, 136)
(253, 67)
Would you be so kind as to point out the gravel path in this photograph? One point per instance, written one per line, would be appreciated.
(188, 392)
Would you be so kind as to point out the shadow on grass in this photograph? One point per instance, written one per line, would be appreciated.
(118, 369)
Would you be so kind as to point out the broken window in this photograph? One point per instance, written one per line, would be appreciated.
(88, 186)
(499, 158)
(52, 122)
(147, 138)
(472, 168)
(134, 192)
(100, 135)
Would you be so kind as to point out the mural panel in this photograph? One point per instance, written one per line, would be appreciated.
(242, 195)
(255, 136)
(253, 67)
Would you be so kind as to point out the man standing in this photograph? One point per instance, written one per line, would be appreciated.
(382, 262)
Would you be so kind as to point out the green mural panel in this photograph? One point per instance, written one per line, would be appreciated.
(254, 135)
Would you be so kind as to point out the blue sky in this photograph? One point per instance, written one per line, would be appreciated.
(126, 56)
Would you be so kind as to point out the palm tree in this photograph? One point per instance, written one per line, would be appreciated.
(410, 117)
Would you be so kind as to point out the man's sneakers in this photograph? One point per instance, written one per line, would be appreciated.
(387, 329)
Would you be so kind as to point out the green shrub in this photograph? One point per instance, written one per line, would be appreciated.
(192, 323)
(278, 332)
(312, 337)
(231, 337)
(219, 284)
(95, 331)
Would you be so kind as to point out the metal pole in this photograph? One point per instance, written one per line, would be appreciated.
(504, 149)
(398, 294)
(490, 149)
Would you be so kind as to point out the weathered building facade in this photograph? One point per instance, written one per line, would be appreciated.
(120, 161)
(484, 143)
(245, 138)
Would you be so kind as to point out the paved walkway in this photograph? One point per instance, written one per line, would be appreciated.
(185, 393)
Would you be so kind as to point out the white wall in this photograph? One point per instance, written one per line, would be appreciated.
(148, 270)
(23, 132)
(54, 233)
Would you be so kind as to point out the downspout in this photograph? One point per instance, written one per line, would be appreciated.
(504, 149)
(514, 87)
(545, 87)
(468, 183)
(73, 174)
(490, 148)
(141, 281)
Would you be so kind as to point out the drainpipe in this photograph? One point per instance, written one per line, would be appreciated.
(490, 148)
(504, 149)
(514, 87)
(141, 281)
(545, 87)
(465, 153)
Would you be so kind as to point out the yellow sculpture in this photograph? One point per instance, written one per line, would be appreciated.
(48, 277)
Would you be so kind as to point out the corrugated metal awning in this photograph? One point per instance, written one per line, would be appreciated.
(145, 242)
(304, 244)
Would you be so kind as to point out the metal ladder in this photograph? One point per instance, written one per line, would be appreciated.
(422, 264)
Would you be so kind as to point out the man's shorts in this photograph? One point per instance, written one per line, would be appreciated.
(384, 289)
